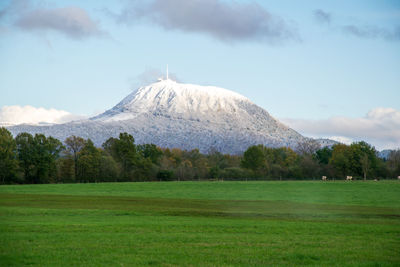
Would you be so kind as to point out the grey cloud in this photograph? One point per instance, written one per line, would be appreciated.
(372, 32)
(322, 16)
(358, 30)
(74, 22)
(14, 7)
(10, 11)
(380, 127)
(3, 13)
(227, 21)
(71, 21)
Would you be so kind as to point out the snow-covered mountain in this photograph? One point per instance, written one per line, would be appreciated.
(186, 101)
(171, 114)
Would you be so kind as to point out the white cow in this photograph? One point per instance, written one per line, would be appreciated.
(398, 177)
(323, 178)
(349, 178)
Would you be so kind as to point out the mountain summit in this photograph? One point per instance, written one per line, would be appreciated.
(167, 97)
(187, 116)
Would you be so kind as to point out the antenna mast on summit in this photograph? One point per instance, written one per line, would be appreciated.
(167, 71)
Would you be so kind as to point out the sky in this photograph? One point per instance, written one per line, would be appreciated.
(327, 69)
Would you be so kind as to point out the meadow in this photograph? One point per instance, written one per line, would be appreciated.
(201, 224)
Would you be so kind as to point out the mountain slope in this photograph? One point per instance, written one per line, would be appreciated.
(186, 116)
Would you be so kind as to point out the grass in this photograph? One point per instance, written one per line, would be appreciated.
(201, 224)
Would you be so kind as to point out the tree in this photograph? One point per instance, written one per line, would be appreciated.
(165, 175)
(340, 159)
(201, 168)
(89, 163)
(75, 145)
(124, 151)
(176, 156)
(309, 167)
(253, 158)
(150, 151)
(8, 156)
(167, 162)
(365, 165)
(285, 157)
(45, 153)
(235, 173)
(394, 162)
(66, 168)
(323, 155)
(363, 159)
(25, 145)
(109, 168)
(277, 170)
(308, 147)
(54, 148)
(38, 156)
(185, 170)
(216, 162)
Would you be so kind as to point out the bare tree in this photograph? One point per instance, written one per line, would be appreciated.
(308, 147)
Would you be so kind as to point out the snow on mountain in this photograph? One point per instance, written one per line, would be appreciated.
(169, 97)
(171, 114)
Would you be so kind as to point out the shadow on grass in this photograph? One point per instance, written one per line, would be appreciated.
(261, 209)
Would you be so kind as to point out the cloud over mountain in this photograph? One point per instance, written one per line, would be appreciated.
(380, 127)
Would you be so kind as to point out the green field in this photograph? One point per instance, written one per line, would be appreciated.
(201, 224)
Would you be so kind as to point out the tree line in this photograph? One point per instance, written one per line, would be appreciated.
(34, 159)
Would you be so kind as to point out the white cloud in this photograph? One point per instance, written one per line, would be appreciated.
(379, 127)
(151, 75)
(11, 115)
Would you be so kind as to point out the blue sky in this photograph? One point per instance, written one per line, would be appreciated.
(308, 63)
